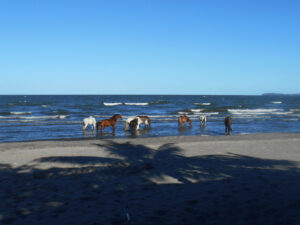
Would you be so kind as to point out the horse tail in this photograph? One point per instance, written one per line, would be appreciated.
(97, 126)
(125, 125)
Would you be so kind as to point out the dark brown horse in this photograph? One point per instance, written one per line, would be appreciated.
(228, 123)
(111, 122)
(133, 124)
(146, 120)
(184, 119)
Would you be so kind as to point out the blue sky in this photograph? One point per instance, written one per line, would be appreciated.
(149, 47)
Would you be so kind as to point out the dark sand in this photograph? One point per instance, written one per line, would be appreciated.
(249, 179)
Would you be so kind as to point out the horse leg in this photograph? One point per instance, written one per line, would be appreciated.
(84, 126)
(126, 124)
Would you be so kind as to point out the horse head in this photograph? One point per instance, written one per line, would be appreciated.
(133, 124)
(117, 116)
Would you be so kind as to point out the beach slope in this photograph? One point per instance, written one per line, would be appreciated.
(239, 179)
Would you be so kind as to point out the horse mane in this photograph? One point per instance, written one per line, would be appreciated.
(114, 116)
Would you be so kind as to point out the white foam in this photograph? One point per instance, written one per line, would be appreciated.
(196, 110)
(44, 106)
(20, 113)
(62, 116)
(42, 117)
(253, 111)
(204, 103)
(112, 103)
(181, 113)
(138, 103)
(207, 114)
(279, 102)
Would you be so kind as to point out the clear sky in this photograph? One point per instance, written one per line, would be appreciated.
(149, 47)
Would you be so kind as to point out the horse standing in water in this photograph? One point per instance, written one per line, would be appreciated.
(145, 120)
(184, 119)
(203, 121)
(89, 121)
(228, 123)
(108, 122)
(140, 120)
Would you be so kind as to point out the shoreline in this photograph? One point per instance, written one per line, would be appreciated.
(173, 137)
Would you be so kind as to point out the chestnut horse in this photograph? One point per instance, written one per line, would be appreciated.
(228, 123)
(108, 122)
(184, 119)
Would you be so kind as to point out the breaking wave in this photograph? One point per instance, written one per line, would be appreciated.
(112, 103)
(255, 111)
(14, 113)
(137, 103)
(205, 103)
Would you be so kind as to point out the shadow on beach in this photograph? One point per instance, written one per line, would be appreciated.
(141, 185)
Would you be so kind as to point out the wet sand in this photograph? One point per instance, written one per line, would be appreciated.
(238, 179)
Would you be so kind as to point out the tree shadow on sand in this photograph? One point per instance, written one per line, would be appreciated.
(141, 185)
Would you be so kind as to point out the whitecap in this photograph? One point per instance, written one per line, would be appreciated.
(181, 113)
(207, 113)
(112, 103)
(20, 113)
(62, 116)
(42, 117)
(138, 103)
(279, 102)
(253, 111)
(204, 103)
(196, 110)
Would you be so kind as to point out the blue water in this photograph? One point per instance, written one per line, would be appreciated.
(43, 117)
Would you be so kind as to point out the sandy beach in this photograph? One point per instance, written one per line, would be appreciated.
(238, 179)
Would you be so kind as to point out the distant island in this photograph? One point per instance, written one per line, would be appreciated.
(279, 94)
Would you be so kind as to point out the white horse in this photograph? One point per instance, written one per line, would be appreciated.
(140, 121)
(203, 120)
(89, 121)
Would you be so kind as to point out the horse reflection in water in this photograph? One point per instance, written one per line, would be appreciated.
(182, 120)
(111, 122)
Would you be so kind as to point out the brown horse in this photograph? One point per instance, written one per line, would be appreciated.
(146, 120)
(228, 123)
(184, 119)
(108, 122)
